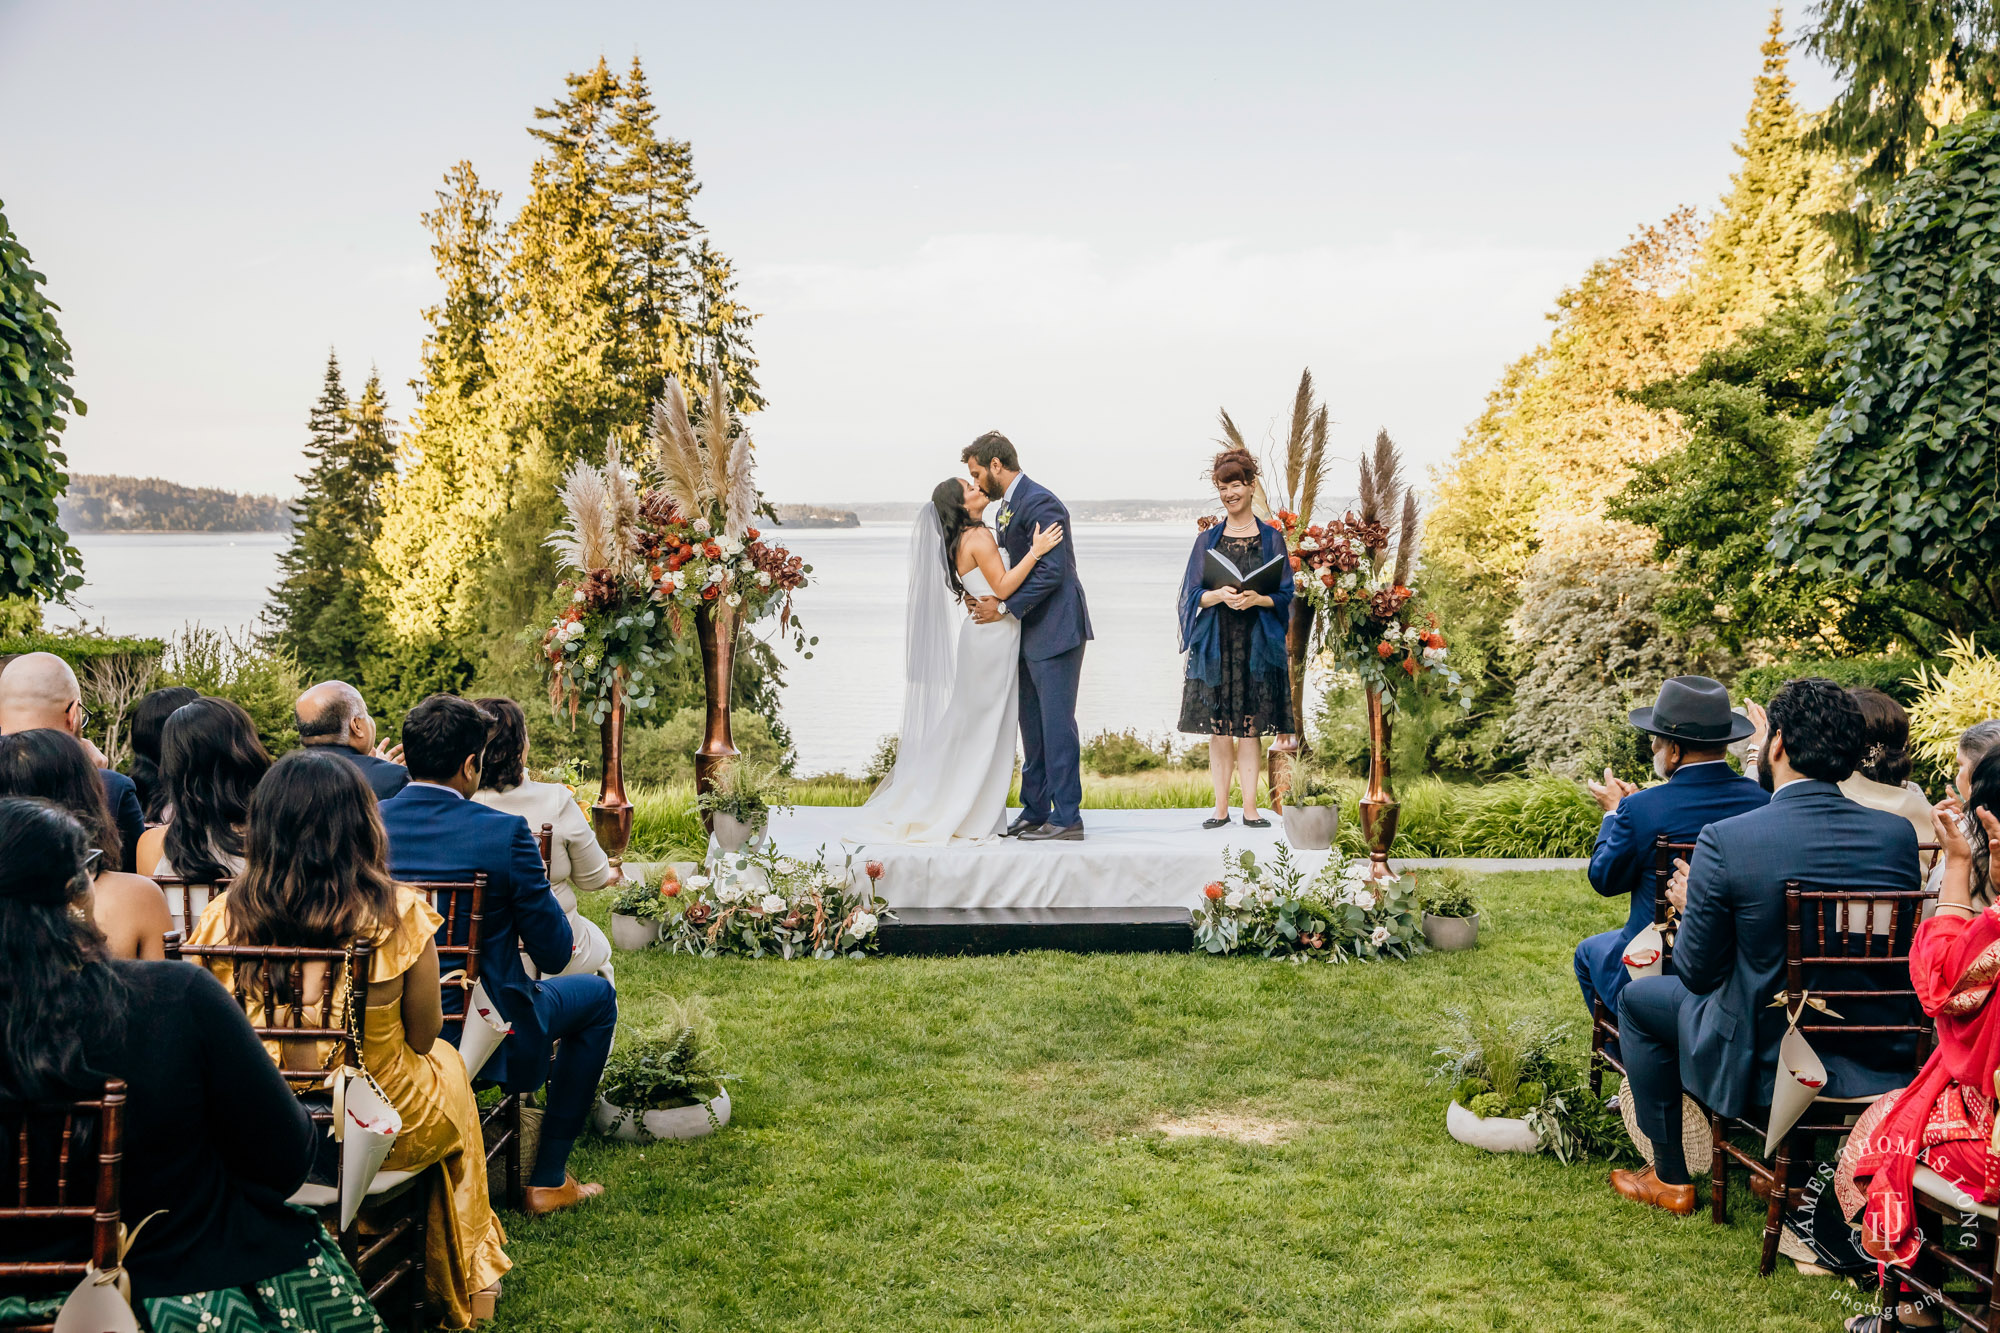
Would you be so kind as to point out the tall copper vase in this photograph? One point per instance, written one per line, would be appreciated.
(611, 817)
(1285, 749)
(715, 630)
(1378, 803)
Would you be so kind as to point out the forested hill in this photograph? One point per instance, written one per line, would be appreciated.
(148, 504)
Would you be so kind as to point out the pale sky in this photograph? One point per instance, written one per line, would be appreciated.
(1088, 225)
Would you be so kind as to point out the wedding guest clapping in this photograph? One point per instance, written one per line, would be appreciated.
(148, 718)
(211, 760)
(129, 909)
(215, 1142)
(316, 876)
(1238, 677)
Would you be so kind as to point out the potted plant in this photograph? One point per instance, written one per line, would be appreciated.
(637, 911)
(666, 1082)
(1451, 916)
(740, 802)
(1516, 1088)
(1311, 804)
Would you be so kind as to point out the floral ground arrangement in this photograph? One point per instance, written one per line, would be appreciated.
(1055, 1142)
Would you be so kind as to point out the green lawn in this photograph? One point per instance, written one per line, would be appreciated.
(938, 1143)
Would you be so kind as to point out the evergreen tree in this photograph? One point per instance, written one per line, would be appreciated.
(37, 563)
(317, 610)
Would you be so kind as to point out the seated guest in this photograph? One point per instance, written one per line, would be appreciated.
(130, 910)
(1943, 1120)
(333, 715)
(1711, 1029)
(1979, 740)
(39, 690)
(576, 863)
(214, 1140)
(211, 760)
(437, 832)
(1881, 781)
(148, 716)
(1690, 726)
(316, 876)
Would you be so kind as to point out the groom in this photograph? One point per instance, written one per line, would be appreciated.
(1055, 624)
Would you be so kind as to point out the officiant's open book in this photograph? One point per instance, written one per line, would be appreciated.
(1219, 571)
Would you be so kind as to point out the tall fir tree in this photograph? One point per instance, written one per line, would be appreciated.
(317, 610)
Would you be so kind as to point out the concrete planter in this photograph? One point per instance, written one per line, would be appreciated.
(631, 934)
(1499, 1133)
(1449, 933)
(732, 834)
(676, 1122)
(1310, 828)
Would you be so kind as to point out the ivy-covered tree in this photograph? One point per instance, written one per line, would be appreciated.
(316, 611)
(1902, 489)
(37, 563)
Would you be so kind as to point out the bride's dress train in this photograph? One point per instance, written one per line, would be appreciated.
(955, 756)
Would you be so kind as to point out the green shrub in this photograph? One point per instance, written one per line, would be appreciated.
(883, 759)
(1114, 754)
(1966, 691)
(1540, 816)
(1893, 674)
(1447, 893)
(675, 1060)
(19, 616)
(666, 825)
(267, 683)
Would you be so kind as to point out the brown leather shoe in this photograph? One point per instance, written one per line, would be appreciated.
(1644, 1187)
(542, 1200)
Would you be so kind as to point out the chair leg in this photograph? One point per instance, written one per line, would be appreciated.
(1781, 1197)
(1596, 1048)
(1718, 1174)
(516, 1196)
(419, 1279)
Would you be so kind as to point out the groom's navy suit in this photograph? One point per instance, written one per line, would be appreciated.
(1055, 624)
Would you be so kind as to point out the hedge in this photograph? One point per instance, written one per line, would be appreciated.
(1894, 675)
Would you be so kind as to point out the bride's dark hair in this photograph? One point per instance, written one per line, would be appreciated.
(955, 520)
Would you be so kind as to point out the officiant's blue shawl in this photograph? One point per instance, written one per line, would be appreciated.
(1201, 627)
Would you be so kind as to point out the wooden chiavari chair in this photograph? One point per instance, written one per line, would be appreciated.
(270, 982)
(186, 902)
(1603, 1022)
(65, 1161)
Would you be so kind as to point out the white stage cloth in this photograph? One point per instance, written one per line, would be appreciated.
(1128, 858)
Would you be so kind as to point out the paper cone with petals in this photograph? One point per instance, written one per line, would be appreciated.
(483, 1033)
(100, 1304)
(368, 1129)
(1646, 955)
(1798, 1082)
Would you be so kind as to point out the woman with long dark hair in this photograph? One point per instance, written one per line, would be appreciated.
(129, 909)
(148, 717)
(214, 1139)
(1238, 685)
(955, 750)
(212, 760)
(577, 864)
(316, 875)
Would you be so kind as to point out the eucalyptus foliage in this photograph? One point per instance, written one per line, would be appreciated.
(36, 559)
(1903, 485)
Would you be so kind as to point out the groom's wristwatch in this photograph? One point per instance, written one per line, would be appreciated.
(1003, 608)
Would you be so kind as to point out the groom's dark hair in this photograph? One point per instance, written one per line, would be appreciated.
(990, 448)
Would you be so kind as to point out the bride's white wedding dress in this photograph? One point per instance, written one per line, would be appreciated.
(955, 753)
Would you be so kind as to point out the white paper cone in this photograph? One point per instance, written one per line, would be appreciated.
(1646, 955)
(96, 1307)
(483, 1031)
(368, 1131)
(1798, 1082)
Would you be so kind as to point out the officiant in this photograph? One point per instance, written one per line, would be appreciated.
(1234, 611)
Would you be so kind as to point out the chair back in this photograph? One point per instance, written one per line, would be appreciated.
(268, 982)
(63, 1171)
(186, 902)
(545, 842)
(1838, 939)
(462, 904)
(1665, 853)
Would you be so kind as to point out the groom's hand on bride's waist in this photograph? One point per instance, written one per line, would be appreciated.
(986, 610)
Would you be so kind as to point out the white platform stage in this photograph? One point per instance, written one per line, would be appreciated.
(1128, 858)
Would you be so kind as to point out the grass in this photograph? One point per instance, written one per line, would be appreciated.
(938, 1144)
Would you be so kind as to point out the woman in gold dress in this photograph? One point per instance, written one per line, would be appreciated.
(316, 876)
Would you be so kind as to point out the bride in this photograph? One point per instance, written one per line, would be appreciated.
(955, 753)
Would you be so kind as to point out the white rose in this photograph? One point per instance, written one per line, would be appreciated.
(763, 579)
(1267, 896)
(1349, 579)
(772, 904)
(1379, 936)
(787, 866)
(729, 893)
(701, 525)
(734, 599)
(1233, 899)
(577, 596)
(1308, 543)
(716, 574)
(699, 882)
(862, 926)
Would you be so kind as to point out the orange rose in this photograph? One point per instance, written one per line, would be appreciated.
(1327, 579)
(1214, 891)
(710, 593)
(1385, 650)
(1410, 666)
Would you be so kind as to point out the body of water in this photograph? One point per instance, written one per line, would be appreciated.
(838, 705)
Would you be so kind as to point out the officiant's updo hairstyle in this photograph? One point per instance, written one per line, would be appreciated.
(955, 519)
(1233, 465)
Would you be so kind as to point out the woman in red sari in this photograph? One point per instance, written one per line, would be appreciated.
(1943, 1120)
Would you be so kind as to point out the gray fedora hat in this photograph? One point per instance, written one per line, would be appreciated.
(1693, 709)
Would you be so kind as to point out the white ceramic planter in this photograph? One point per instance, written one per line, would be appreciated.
(732, 834)
(679, 1122)
(1449, 933)
(631, 934)
(1498, 1133)
(1310, 828)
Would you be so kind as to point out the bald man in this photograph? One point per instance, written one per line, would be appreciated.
(39, 690)
(332, 715)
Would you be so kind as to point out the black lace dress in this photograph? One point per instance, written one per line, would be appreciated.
(1245, 704)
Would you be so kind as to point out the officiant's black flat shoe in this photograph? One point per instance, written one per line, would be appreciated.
(1054, 833)
(1256, 823)
(1216, 823)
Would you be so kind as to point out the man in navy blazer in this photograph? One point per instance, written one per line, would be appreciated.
(1691, 725)
(334, 715)
(1055, 624)
(437, 832)
(1711, 1029)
